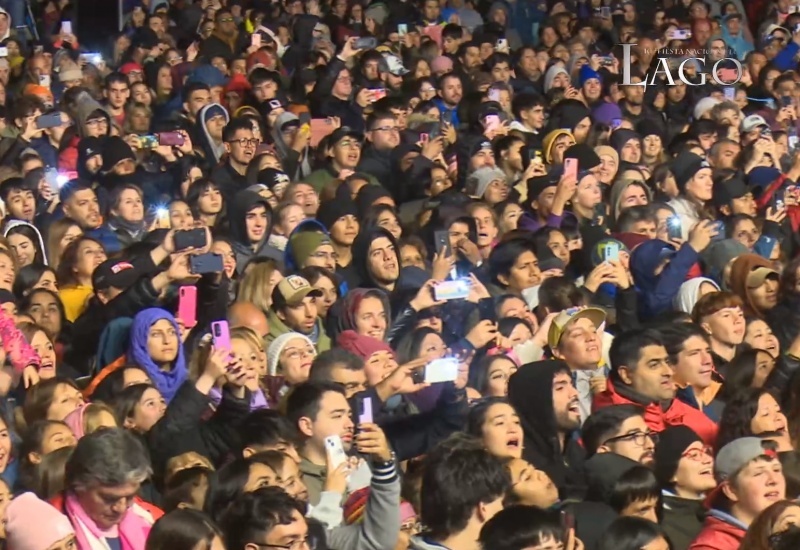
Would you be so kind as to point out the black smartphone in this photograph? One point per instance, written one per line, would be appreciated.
(442, 239)
(435, 131)
(786, 100)
(305, 118)
(486, 309)
(192, 238)
(674, 227)
(719, 225)
(206, 263)
(567, 523)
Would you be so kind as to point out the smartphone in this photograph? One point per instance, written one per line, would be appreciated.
(206, 263)
(491, 122)
(66, 27)
(442, 242)
(93, 58)
(786, 101)
(221, 335)
(3, 52)
(435, 131)
(611, 252)
(571, 167)
(378, 93)
(44, 80)
(778, 198)
(187, 305)
(719, 225)
(567, 523)
(730, 93)
(501, 45)
(452, 290)
(366, 43)
(335, 452)
(366, 411)
(424, 137)
(441, 370)
(680, 34)
(174, 139)
(255, 39)
(148, 142)
(486, 309)
(605, 12)
(52, 179)
(402, 29)
(305, 118)
(51, 120)
(674, 227)
(616, 123)
(607, 61)
(191, 238)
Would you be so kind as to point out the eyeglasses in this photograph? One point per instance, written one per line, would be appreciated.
(638, 438)
(244, 142)
(393, 129)
(226, 20)
(307, 542)
(300, 353)
(697, 454)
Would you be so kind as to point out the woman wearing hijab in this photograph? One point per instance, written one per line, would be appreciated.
(156, 346)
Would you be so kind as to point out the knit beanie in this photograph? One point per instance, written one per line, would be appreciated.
(672, 443)
(115, 150)
(606, 151)
(361, 345)
(302, 244)
(478, 182)
(330, 211)
(33, 524)
(276, 348)
(587, 73)
(605, 113)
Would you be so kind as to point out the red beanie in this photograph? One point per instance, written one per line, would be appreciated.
(361, 345)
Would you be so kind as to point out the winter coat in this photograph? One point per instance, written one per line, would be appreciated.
(244, 202)
(720, 532)
(657, 415)
(656, 292)
(682, 519)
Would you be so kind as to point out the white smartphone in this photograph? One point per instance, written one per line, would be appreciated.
(441, 370)
(335, 452)
(66, 27)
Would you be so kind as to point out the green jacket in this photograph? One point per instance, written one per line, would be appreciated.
(278, 327)
(320, 178)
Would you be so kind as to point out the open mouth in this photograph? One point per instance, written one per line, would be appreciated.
(47, 366)
(574, 407)
(707, 472)
(390, 266)
(513, 443)
(773, 495)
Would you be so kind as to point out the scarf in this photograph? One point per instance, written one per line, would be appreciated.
(167, 382)
(136, 230)
(132, 531)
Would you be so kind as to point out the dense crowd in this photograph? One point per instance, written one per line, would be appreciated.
(400, 274)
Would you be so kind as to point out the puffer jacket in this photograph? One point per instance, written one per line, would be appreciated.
(720, 532)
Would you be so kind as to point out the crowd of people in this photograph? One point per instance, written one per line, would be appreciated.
(427, 275)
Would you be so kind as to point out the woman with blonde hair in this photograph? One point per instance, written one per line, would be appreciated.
(260, 277)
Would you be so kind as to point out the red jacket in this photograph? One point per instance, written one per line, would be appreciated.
(718, 535)
(658, 419)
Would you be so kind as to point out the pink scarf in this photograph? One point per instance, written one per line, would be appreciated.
(132, 531)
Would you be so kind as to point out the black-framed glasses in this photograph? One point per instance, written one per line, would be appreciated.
(244, 142)
(638, 438)
(307, 543)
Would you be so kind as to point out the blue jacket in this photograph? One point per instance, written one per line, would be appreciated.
(738, 44)
(656, 292)
(106, 237)
(784, 61)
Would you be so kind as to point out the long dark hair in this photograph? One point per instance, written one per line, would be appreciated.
(182, 529)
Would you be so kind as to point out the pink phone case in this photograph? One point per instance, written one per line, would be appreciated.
(221, 335)
(571, 167)
(187, 305)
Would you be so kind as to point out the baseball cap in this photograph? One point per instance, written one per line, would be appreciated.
(291, 291)
(757, 277)
(753, 122)
(737, 454)
(564, 319)
(394, 65)
(733, 188)
(340, 133)
(115, 273)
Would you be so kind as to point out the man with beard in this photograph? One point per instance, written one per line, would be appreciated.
(632, 103)
(294, 309)
(79, 203)
(621, 430)
(450, 92)
(641, 374)
(547, 403)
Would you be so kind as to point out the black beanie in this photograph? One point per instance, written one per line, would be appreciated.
(587, 158)
(115, 150)
(672, 443)
(330, 211)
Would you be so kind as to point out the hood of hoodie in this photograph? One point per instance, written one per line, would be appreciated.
(309, 224)
(740, 269)
(17, 223)
(645, 259)
(361, 253)
(342, 314)
(85, 106)
(212, 151)
(303, 30)
(10, 24)
(244, 202)
(689, 293)
(277, 135)
(603, 471)
(530, 392)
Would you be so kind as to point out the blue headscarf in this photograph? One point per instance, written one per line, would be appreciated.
(167, 382)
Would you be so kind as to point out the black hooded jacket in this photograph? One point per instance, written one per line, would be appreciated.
(243, 202)
(530, 392)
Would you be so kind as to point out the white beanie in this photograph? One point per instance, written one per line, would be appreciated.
(705, 105)
(479, 180)
(276, 348)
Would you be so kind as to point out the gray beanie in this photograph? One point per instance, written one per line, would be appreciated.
(479, 180)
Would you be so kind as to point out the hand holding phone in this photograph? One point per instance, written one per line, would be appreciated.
(571, 168)
(221, 335)
(366, 411)
(441, 370)
(335, 452)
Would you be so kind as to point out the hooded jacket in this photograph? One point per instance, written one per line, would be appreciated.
(211, 150)
(657, 415)
(361, 254)
(720, 532)
(689, 293)
(17, 223)
(740, 269)
(530, 392)
(603, 470)
(296, 165)
(244, 202)
(656, 292)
